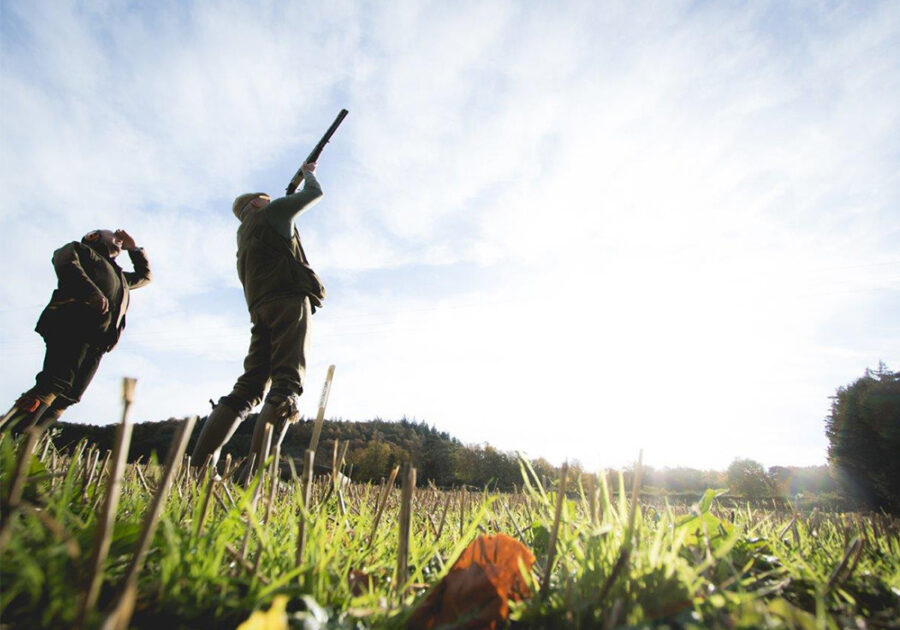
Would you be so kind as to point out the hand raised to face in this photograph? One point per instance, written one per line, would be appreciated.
(126, 239)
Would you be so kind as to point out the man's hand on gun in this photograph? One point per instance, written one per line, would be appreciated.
(308, 167)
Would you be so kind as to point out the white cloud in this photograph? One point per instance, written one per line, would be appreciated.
(574, 230)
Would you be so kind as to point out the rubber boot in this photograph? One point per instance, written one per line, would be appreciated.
(274, 414)
(26, 412)
(269, 414)
(51, 416)
(220, 425)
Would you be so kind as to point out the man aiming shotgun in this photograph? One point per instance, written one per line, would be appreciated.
(282, 292)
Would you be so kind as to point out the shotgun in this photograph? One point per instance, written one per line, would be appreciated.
(314, 154)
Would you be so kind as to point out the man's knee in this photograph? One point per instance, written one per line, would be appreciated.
(248, 391)
(64, 401)
(241, 403)
(55, 384)
(283, 391)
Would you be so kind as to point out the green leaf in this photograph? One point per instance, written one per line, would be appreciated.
(708, 497)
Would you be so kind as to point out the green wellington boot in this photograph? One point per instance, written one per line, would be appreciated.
(269, 414)
(220, 425)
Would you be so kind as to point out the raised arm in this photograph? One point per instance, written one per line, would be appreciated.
(141, 274)
(282, 211)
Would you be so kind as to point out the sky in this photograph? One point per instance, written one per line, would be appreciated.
(579, 230)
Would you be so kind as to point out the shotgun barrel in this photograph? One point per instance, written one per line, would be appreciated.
(314, 154)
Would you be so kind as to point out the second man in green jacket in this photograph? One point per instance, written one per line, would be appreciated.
(282, 291)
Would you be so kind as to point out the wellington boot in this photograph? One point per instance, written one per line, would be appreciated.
(218, 429)
(51, 416)
(26, 412)
(269, 414)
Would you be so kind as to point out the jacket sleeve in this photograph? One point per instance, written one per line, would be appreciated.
(284, 209)
(141, 274)
(70, 272)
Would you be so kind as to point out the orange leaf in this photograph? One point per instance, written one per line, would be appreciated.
(478, 587)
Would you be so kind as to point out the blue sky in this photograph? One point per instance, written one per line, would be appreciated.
(574, 229)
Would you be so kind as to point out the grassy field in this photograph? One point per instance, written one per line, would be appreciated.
(186, 549)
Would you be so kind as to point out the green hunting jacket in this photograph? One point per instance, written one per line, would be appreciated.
(83, 272)
(271, 263)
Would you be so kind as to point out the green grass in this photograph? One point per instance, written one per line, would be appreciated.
(655, 566)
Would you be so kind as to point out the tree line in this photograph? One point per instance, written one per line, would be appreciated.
(863, 430)
(376, 446)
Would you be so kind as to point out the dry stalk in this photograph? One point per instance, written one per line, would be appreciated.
(102, 471)
(120, 615)
(48, 441)
(219, 498)
(434, 529)
(306, 490)
(320, 415)
(254, 500)
(23, 463)
(440, 528)
(228, 494)
(142, 479)
(846, 567)
(248, 471)
(234, 553)
(17, 485)
(228, 469)
(406, 494)
(381, 503)
(337, 481)
(787, 527)
(512, 520)
(206, 500)
(273, 486)
(89, 468)
(462, 512)
(103, 535)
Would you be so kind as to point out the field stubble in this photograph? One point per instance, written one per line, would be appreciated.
(187, 548)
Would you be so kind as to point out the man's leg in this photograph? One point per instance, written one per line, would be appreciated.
(28, 409)
(290, 347)
(62, 359)
(225, 418)
(84, 374)
(289, 320)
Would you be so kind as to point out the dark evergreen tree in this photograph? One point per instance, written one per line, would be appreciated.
(863, 432)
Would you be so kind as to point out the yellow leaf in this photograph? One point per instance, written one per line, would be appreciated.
(274, 619)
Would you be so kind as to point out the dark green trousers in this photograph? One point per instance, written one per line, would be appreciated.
(70, 364)
(279, 341)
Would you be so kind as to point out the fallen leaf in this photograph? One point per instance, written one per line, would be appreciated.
(274, 619)
(478, 588)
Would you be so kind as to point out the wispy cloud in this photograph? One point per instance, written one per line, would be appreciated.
(577, 230)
